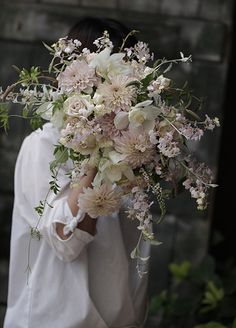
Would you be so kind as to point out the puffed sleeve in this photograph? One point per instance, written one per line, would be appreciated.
(32, 176)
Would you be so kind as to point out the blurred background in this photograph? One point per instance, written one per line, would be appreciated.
(197, 257)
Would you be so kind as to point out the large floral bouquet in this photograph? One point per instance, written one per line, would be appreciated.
(123, 117)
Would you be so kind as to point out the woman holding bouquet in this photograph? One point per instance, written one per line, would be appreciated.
(82, 275)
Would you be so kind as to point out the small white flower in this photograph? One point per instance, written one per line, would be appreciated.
(121, 120)
(143, 114)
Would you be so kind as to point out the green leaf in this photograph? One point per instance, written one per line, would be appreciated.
(168, 68)
(35, 233)
(29, 76)
(145, 82)
(61, 154)
(16, 68)
(155, 242)
(36, 122)
(157, 303)
(25, 112)
(134, 253)
(54, 186)
(212, 297)
(47, 47)
(180, 271)
(4, 118)
(194, 115)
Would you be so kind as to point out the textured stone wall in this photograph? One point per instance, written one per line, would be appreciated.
(198, 27)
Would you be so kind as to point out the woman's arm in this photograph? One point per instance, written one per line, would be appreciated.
(32, 176)
(88, 224)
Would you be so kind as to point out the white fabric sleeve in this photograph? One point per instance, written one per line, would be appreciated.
(32, 176)
(66, 249)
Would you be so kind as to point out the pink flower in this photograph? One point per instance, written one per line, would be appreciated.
(106, 123)
(136, 147)
(117, 95)
(100, 201)
(167, 146)
(78, 76)
(192, 133)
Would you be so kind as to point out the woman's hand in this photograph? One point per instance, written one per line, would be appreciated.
(88, 224)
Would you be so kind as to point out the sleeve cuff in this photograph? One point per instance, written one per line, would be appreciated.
(83, 235)
(70, 223)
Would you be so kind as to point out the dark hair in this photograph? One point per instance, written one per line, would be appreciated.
(89, 29)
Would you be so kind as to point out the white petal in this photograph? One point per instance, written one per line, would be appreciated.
(45, 110)
(148, 125)
(121, 120)
(144, 103)
(128, 172)
(116, 157)
(101, 58)
(114, 173)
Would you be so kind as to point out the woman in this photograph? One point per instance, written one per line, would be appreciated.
(84, 279)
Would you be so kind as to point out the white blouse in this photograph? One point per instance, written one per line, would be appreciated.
(83, 282)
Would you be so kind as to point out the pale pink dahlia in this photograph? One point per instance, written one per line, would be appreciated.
(117, 95)
(78, 76)
(107, 125)
(136, 147)
(100, 201)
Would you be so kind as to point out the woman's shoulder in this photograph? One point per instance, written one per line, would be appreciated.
(47, 132)
(47, 136)
(40, 144)
(40, 141)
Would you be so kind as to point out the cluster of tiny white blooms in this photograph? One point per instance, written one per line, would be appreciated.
(179, 117)
(28, 95)
(198, 180)
(35, 95)
(140, 51)
(173, 171)
(116, 94)
(65, 46)
(158, 85)
(167, 146)
(103, 42)
(210, 124)
(140, 210)
(153, 136)
(77, 76)
(190, 132)
(100, 201)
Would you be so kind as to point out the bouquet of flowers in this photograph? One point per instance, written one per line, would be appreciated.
(122, 116)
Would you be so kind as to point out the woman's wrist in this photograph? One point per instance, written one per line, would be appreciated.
(88, 224)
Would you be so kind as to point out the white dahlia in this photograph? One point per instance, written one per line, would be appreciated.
(100, 201)
(116, 94)
(137, 148)
(78, 76)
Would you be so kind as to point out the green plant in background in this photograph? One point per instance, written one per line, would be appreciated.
(197, 297)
